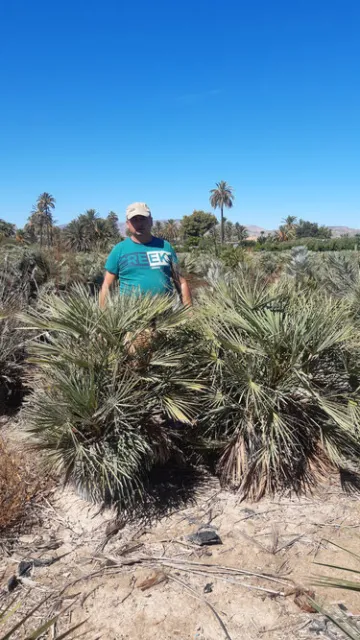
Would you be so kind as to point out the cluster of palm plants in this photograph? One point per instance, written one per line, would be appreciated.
(113, 395)
(277, 370)
(263, 375)
(168, 230)
(89, 232)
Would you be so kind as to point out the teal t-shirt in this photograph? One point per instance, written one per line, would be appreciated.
(143, 268)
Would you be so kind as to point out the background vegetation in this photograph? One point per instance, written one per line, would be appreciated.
(270, 396)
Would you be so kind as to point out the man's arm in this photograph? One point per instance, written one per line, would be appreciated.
(181, 286)
(185, 292)
(108, 281)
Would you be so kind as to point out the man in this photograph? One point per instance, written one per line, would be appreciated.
(142, 263)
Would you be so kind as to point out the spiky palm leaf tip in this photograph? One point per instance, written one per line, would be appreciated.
(110, 387)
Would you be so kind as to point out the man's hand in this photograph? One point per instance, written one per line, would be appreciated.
(109, 279)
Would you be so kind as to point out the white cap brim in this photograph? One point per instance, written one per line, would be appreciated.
(141, 212)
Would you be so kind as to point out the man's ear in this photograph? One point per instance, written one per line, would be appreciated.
(151, 222)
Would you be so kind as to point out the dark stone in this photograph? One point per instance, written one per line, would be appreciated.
(208, 587)
(25, 567)
(12, 583)
(318, 626)
(204, 537)
(45, 562)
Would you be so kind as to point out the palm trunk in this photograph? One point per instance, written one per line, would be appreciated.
(222, 224)
(48, 233)
(41, 231)
(215, 244)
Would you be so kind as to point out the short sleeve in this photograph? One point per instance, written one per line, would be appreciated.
(112, 263)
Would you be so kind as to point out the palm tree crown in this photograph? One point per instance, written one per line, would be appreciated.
(290, 221)
(222, 197)
(45, 203)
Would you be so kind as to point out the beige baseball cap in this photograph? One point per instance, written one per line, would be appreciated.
(137, 209)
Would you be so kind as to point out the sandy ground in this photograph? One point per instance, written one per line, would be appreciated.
(107, 577)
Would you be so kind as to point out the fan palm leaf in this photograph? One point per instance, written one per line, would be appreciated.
(343, 622)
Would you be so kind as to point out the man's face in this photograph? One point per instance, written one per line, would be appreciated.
(139, 225)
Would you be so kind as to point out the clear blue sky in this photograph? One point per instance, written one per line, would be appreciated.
(103, 103)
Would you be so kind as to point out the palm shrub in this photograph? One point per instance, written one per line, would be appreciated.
(85, 268)
(269, 263)
(11, 342)
(339, 274)
(111, 395)
(298, 266)
(285, 404)
(23, 274)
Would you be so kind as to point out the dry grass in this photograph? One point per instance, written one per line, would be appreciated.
(16, 487)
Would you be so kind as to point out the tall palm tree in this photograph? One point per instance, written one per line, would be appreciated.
(89, 222)
(112, 223)
(290, 225)
(36, 225)
(170, 231)
(241, 232)
(158, 228)
(262, 237)
(282, 233)
(75, 236)
(222, 197)
(290, 221)
(45, 203)
(104, 235)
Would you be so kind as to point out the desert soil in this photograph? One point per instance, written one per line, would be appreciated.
(148, 581)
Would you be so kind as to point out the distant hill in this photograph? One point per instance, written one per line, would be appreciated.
(340, 231)
(336, 232)
(255, 231)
